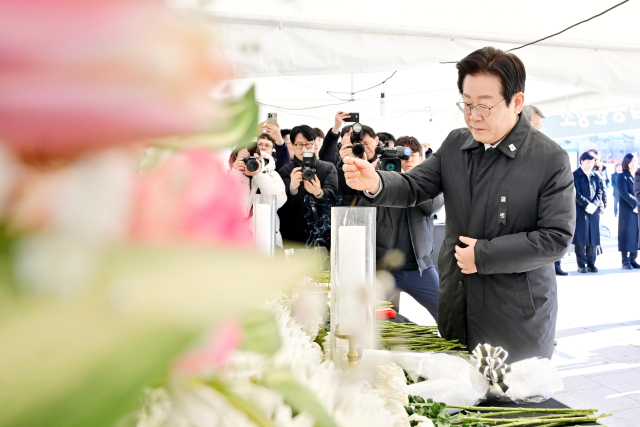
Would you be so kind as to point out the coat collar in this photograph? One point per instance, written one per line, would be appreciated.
(581, 172)
(511, 144)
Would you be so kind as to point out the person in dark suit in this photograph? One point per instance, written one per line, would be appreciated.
(628, 219)
(614, 184)
(589, 189)
(308, 202)
(512, 213)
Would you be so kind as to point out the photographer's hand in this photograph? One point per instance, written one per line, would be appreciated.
(239, 165)
(296, 179)
(339, 121)
(345, 151)
(273, 131)
(361, 175)
(313, 187)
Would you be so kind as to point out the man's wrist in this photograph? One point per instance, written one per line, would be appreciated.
(374, 192)
(293, 191)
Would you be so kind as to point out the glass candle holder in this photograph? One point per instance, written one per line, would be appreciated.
(264, 223)
(353, 268)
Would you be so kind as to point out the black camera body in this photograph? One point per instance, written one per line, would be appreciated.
(390, 158)
(357, 133)
(253, 161)
(308, 166)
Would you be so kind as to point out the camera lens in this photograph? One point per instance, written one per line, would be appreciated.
(358, 150)
(308, 174)
(391, 167)
(252, 164)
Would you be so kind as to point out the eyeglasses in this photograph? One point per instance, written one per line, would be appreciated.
(481, 109)
(308, 145)
(265, 146)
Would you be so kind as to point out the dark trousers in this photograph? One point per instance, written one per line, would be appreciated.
(423, 289)
(629, 257)
(586, 255)
(616, 203)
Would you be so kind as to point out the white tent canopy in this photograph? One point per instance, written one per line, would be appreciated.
(317, 46)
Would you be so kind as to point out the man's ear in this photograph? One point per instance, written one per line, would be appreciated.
(518, 102)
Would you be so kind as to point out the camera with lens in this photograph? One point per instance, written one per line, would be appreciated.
(357, 133)
(253, 161)
(390, 158)
(308, 166)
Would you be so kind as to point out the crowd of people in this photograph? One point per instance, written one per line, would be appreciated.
(515, 206)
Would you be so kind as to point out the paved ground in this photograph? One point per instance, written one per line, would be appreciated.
(598, 332)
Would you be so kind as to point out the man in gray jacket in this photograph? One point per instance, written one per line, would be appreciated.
(510, 212)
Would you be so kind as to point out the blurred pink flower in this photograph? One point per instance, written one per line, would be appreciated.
(79, 75)
(214, 355)
(190, 198)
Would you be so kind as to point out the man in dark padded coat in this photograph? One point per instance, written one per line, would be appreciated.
(510, 212)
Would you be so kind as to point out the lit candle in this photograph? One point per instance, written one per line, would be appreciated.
(351, 279)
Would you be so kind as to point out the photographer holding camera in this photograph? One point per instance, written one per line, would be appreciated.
(329, 149)
(361, 142)
(257, 172)
(279, 149)
(307, 181)
(409, 232)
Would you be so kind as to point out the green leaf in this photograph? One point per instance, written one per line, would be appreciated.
(296, 396)
(239, 122)
(84, 361)
(260, 333)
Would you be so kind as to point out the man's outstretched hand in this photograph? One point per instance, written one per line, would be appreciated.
(367, 178)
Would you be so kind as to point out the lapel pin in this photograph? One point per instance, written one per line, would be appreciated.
(512, 147)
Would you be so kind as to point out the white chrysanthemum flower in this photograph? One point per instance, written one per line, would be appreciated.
(422, 421)
(342, 348)
(156, 408)
(348, 402)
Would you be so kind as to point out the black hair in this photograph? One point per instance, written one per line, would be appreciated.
(489, 60)
(318, 132)
(385, 137)
(345, 130)
(367, 130)
(306, 131)
(628, 158)
(587, 155)
(284, 132)
(411, 142)
(267, 136)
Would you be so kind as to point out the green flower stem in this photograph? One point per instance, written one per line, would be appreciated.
(496, 408)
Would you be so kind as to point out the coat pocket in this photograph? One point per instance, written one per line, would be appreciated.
(524, 296)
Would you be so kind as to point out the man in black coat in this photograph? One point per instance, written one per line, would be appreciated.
(589, 204)
(508, 189)
(305, 217)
